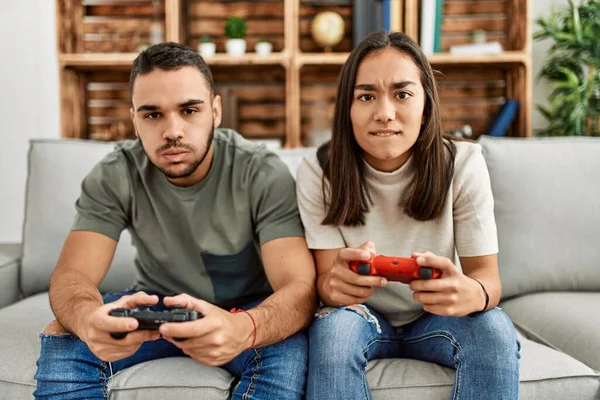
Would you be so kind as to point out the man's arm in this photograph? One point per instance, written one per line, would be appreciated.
(83, 263)
(291, 272)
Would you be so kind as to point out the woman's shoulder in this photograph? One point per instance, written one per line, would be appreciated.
(467, 153)
(310, 168)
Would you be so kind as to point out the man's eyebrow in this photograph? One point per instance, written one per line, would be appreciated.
(147, 107)
(191, 102)
(152, 107)
(395, 85)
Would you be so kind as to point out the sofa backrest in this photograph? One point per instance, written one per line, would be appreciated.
(56, 169)
(547, 208)
(546, 194)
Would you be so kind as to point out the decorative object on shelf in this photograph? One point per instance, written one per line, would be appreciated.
(327, 29)
(478, 45)
(463, 132)
(263, 47)
(235, 31)
(207, 47)
(573, 70)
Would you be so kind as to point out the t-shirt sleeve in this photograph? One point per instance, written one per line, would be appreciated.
(273, 199)
(102, 204)
(312, 210)
(474, 223)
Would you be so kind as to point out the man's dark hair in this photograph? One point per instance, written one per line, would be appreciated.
(168, 56)
(348, 199)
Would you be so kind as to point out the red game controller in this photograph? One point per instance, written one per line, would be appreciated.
(395, 269)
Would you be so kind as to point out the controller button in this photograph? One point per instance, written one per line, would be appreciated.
(425, 273)
(363, 269)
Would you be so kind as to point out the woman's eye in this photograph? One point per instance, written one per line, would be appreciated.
(403, 95)
(189, 111)
(365, 97)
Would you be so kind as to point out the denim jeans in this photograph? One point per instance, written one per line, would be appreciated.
(67, 369)
(483, 350)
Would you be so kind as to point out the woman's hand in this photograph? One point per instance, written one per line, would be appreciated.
(344, 287)
(453, 294)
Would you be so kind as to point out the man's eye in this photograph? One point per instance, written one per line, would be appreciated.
(189, 111)
(365, 97)
(153, 115)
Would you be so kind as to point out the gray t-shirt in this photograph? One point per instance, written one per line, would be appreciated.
(466, 226)
(203, 240)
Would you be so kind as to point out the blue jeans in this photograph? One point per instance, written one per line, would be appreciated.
(67, 369)
(483, 350)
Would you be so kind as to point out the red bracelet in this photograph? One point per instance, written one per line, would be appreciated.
(237, 310)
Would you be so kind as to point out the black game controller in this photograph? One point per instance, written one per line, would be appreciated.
(150, 320)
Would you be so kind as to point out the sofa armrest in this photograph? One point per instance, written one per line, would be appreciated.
(10, 263)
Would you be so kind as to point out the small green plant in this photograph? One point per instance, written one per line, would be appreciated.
(205, 39)
(573, 69)
(235, 28)
(263, 40)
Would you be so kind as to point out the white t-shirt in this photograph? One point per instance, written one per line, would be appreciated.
(466, 226)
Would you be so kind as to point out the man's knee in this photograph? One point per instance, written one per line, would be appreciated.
(55, 328)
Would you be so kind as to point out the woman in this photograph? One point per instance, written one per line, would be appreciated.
(390, 182)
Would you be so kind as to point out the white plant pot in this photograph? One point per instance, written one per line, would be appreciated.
(207, 49)
(263, 48)
(235, 47)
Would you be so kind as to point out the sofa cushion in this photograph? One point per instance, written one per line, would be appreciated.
(545, 373)
(10, 258)
(546, 193)
(569, 322)
(56, 170)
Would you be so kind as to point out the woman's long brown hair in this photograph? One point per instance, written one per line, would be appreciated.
(345, 194)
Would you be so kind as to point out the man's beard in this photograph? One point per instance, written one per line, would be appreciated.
(175, 145)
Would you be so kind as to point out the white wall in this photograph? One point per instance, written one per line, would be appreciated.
(538, 53)
(29, 101)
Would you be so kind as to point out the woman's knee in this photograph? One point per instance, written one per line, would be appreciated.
(495, 334)
(340, 332)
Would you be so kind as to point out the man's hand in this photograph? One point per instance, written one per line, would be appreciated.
(213, 340)
(100, 324)
(453, 294)
(345, 287)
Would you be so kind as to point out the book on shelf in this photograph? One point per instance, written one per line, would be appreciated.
(503, 119)
(431, 26)
(372, 15)
(476, 48)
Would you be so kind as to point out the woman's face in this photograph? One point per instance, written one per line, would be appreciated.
(387, 108)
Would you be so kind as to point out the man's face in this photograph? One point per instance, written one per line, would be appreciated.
(174, 114)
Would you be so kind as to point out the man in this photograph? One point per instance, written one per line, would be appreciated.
(215, 223)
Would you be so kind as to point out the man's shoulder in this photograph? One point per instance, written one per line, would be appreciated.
(116, 164)
(237, 145)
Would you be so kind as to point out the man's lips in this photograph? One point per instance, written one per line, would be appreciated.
(175, 155)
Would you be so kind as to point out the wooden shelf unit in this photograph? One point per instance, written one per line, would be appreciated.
(298, 81)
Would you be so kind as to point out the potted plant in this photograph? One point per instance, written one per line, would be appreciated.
(207, 47)
(573, 69)
(263, 47)
(235, 31)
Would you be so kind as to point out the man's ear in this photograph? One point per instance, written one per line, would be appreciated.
(217, 110)
(132, 116)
